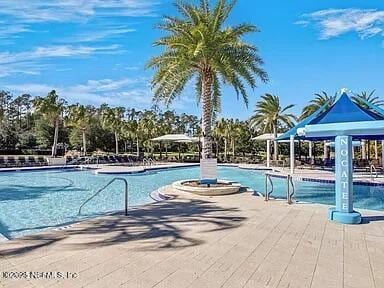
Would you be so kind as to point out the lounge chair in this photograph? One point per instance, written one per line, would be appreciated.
(12, 161)
(42, 161)
(21, 160)
(3, 162)
(32, 161)
(112, 159)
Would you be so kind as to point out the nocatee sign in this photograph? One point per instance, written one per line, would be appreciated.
(343, 146)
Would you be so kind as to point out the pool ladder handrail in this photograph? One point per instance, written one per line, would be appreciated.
(149, 162)
(373, 169)
(268, 179)
(290, 189)
(152, 162)
(104, 187)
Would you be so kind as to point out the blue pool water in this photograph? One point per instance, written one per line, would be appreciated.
(34, 201)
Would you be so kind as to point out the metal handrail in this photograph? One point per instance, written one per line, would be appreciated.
(290, 192)
(104, 187)
(372, 169)
(149, 162)
(152, 162)
(267, 194)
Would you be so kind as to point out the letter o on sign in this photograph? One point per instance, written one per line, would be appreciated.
(344, 152)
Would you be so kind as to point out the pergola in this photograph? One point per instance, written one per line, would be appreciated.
(175, 138)
(342, 122)
(269, 137)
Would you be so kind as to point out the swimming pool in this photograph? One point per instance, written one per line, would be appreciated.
(34, 201)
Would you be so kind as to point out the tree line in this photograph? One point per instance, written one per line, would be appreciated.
(31, 124)
(40, 123)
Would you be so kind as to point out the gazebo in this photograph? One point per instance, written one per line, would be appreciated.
(342, 122)
(269, 138)
(176, 138)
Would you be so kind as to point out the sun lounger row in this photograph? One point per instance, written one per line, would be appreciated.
(111, 159)
(22, 161)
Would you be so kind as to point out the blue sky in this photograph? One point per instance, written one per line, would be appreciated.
(94, 51)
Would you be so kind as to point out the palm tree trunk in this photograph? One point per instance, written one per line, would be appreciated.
(206, 100)
(137, 147)
(233, 147)
(275, 148)
(84, 143)
(55, 138)
(117, 143)
(225, 149)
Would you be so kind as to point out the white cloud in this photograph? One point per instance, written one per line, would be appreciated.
(11, 31)
(335, 22)
(125, 92)
(99, 34)
(74, 10)
(28, 62)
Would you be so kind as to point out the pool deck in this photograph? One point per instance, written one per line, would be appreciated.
(195, 241)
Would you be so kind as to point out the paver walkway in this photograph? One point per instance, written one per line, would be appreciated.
(192, 241)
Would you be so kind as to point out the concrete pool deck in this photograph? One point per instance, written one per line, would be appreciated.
(194, 241)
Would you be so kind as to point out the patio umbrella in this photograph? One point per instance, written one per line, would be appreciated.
(177, 138)
(266, 137)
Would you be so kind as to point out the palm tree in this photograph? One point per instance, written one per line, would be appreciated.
(222, 131)
(80, 117)
(148, 128)
(374, 100)
(51, 108)
(320, 100)
(198, 47)
(112, 119)
(236, 130)
(369, 97)
(269, 115)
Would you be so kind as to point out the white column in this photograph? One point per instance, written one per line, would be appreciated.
(310, 149)
(325, 150)
(382, 154)
(376, 152)
(292, 153)
(268, 153)
(363, 152)
(353, 151)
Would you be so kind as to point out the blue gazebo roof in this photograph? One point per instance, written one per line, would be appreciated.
(343, 110)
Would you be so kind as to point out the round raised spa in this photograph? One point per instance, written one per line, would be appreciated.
(222, 187)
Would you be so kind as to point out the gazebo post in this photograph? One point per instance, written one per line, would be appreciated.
(292, 153)
(179, 152)
(353, 152)
(363, 150)
(325, 155)
(268, 153)
(382, 154)
(310, 150)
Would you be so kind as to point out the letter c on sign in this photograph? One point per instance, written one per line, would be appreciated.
(344, 163)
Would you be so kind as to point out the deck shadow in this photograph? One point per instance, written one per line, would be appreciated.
(368, 219)
(163, 225)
